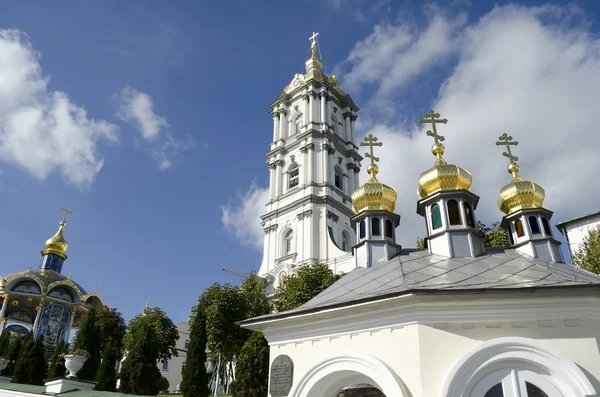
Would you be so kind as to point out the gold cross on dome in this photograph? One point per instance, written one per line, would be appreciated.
(313, 39)
(371, 141)
(432, 118)
(507, 141)
(67, 211)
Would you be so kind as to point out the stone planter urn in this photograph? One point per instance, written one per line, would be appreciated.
(3, 363)
(74, 363)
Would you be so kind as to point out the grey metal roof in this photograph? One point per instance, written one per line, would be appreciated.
(558, 225)
(418, 270)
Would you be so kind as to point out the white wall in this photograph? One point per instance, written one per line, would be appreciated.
(577, 230)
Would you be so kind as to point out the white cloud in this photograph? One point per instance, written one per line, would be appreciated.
(137, 109)
(360, 10)
(242, 218)
(41, 130)
(530, 72)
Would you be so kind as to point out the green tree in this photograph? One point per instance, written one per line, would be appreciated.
(4, 344)
(88, 338)
(12, 354)
(57, 363)
(165, 333)
(588, 255)
(139, 374)
(301, 287)
(252, 370)
(112, 326)
(256, 304)
(20, 372)
(494, 237)
(163, 384)
(106, 377)
(195, 378)
(420, 243)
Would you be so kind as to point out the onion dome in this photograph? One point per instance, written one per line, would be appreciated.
(518, 194)
(442, 176)
(373, 195)
(57, 243)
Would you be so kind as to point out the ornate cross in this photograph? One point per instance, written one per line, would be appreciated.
(147, 302)
(313, 39)
(371, 141)
(67, 211)
(432, 118)
(507, 141)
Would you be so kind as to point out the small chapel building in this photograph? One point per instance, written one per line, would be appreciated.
(455, 319)
(44, 301)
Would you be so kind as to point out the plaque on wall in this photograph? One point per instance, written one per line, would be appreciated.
(281, 376)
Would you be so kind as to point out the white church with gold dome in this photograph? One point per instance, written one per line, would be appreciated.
(455, 319)
(44, 301)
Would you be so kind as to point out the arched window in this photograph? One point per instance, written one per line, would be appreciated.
(511, 382)
(375, 227)
(436, 217)
(519, 228)
(388, 229)
(344, 241)
(533, 225)
(362, 229)
(546, 227)
(288, 241)
(469, 214)
(298, 124)
(339, 178)
(453, 212)
(294, 176)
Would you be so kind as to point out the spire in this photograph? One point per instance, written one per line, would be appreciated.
(56, 246)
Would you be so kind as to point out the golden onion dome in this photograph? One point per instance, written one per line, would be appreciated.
(520, 194)
(374, 195)
(442, 176)
(57, 243)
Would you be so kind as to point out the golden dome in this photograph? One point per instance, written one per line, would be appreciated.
(442, 176)
(520, 194)
(57, 243)
(374, 195)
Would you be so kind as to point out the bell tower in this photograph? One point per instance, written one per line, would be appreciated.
(313, 167)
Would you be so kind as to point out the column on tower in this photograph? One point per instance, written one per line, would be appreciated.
(305, 115)
(311, 108)
(353, 118)
(324, 118)
(325, 153)
(356, 172)
(351, 185)
(311, 163)
(272, 181)
(278, 177)
(347, 134)
(275, 127)
(282, 121)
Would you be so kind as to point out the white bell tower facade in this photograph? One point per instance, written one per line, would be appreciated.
(313, 167)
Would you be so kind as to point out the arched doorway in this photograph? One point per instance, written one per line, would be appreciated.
(339, 374)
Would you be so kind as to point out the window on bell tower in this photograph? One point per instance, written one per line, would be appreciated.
(294, 176)
(288, 241)
(339, 181)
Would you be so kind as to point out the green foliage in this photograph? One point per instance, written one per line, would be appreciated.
(252, 368)
(495, 237)
(4, 344)
(88, 338)
(31, 366)
(12, 354)
(301, 287)
(151, 337)
(163, 384)
(20, 373)
(57, 363)
(420, 243)
(588, 256)
(254, 297)
(106, 377)
(112, 327)
(223, 306)
(164, 332)
(195, 378)
(139, 374)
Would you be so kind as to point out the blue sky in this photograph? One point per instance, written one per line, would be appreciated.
(156, 206)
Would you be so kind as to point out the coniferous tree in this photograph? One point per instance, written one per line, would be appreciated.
(12, 354)
(36, 364)
(4, 344)
(57, 363)
(106, 377)
(88, 338)
(252, 368)
(139, 374)
(20, 372)
(195, 378)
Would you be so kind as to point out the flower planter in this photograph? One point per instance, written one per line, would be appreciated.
(3, 363)
(74, 363)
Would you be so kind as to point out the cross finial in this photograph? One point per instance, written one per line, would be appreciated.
(432, 118)
(67, 211)
(371, 141)
(507, 140)
(148, 302)
(98, 289)
(313, 43)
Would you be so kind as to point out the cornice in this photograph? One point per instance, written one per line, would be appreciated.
(310, 199)
(297, 140)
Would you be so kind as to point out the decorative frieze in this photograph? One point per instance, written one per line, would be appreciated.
(305, 214)
(269, 229)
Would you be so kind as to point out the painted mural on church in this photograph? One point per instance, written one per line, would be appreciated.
(54, 322)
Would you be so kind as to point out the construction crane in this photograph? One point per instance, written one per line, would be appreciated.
(234, 272)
